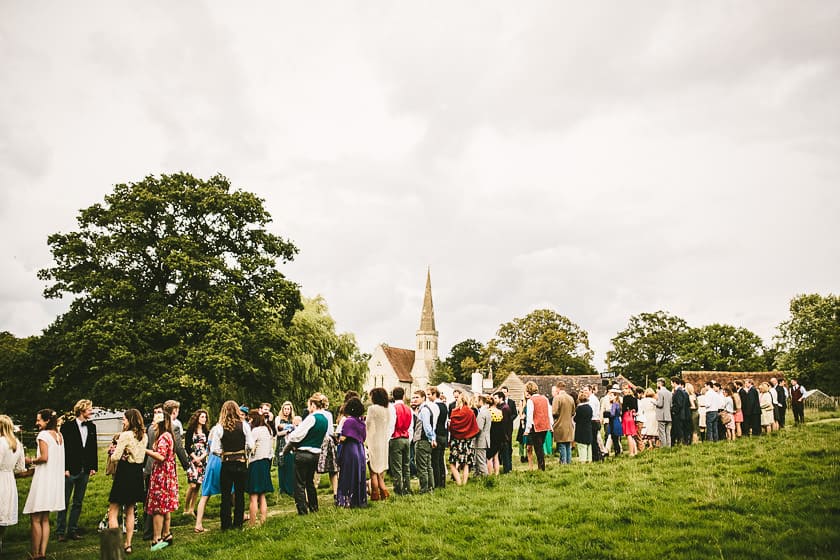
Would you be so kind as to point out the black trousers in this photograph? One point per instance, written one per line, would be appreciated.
(537, 439)
(798, 412)
(438, 464)
(782, 414)
(752, 424)
(233, 477)
(306, 496)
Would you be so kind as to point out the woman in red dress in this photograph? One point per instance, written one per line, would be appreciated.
(162, 499)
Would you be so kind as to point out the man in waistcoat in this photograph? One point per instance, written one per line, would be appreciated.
(398, 445)
(537, 421)
(441, 436)
(425, 440)
(797, 393)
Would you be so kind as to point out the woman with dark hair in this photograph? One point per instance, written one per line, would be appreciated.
(196, 447)
(47, 491)
(352, 489)
(376, 422)
(462, 429)
(162, 498)
(307, 439)
(259, 468)
(127, 488)
(629, 408)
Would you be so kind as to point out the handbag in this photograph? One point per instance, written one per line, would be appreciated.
(725, 417)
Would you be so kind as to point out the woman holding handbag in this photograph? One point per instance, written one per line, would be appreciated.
(127, 463)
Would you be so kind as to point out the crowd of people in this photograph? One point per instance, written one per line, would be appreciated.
(234, 456)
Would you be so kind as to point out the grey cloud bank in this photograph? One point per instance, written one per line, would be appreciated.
(602, 161)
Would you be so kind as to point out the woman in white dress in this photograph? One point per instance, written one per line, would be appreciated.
(47, 491)
(11, 462)
(377, 423)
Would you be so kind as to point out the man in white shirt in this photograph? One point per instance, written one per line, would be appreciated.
(598, 450)
(714, 404)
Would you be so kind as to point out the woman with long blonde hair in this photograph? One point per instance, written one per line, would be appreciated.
(283, 426)
(11, 461)
(234, 443)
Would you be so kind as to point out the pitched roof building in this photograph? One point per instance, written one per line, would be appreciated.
(390, 366)
(516, 383)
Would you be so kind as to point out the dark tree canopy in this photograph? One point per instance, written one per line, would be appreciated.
(809, 342)
(464, 358)
(649, 347)
(177, 295)
(541, 343)
(719, 347)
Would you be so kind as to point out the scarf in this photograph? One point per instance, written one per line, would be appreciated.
(462, 424)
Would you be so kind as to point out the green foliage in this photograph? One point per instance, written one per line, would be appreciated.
(541, 343)
(464, 358)
(177, 294)
(316, 358)
(809, 342)
(649, 347)
(722, 348)
(19, 384)
(442, 373)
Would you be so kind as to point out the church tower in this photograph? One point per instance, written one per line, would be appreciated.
(426, 347)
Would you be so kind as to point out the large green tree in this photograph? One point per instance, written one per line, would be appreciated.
(541, 343)
(809, 342)
(719, 347)
(464, 358)
(649, 347)
(177, 294)
(21, 386)
(314, 358)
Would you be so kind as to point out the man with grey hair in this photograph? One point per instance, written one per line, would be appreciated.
(663, 412)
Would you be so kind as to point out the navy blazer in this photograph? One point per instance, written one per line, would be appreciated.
(78, 455)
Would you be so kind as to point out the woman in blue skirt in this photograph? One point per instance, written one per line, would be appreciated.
(259, 468)
(210, 486)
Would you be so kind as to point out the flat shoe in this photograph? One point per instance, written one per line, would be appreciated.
(160, 545)
(199, 530)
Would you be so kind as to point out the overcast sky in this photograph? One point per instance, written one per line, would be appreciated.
(599, 160)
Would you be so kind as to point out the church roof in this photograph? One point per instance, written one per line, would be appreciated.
(402, 361)
(427, 318)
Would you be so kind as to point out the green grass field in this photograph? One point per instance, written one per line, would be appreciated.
(769, 497)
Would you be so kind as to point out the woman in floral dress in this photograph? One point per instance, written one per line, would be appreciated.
(197, 449)
(162, 499)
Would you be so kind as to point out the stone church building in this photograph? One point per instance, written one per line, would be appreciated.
(389, 366)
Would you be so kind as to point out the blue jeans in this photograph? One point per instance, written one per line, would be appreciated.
(565, 449)
(75, 485)
(712, 425)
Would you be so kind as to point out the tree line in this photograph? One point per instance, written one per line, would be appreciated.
(660, 344)
(178, 293)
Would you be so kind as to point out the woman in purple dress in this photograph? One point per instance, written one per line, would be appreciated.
(352, 490)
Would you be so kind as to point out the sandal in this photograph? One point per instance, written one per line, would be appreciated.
(199, 530)
(127, 549)
(167, 538)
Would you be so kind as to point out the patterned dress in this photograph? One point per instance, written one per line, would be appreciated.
(163, 483)
(195, 474)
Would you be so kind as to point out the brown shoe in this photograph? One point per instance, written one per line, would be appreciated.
(75, 537)
(62, 538)
(374, 495)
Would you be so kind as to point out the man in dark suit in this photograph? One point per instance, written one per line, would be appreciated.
(781, 401)
(507, 450)
(441, 436)
(80, 463)
(681, 428)
(751, 408)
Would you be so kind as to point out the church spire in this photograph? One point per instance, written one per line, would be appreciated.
(427, 317)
